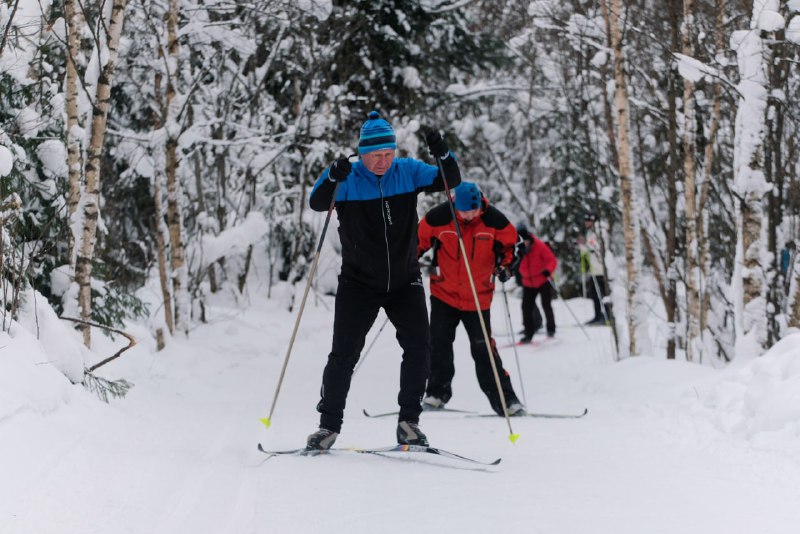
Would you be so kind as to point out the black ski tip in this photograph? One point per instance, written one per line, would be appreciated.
(366, 412)
(261, 448)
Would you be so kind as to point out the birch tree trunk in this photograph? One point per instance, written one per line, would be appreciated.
(629, 223)
(74, 20)
(690, 188)
(708, 165)
(607, 112)
(160, 230)
(174, 216)
(91, 193)
(163, 275)
(748, 283)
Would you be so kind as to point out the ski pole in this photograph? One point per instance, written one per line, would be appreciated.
(511, 436)
(555, 288)
(268, 419)
(514, 343)
(606, 318)
(366, 352)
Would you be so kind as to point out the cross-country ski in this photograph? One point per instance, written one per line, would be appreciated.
(389, 451)
(539, 415)
(424, 410)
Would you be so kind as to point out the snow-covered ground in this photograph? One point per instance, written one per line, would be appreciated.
(667, 447)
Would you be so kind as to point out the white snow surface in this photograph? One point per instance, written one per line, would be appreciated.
(793, 30)
(6, 161)
(235, 240)
(666, 447)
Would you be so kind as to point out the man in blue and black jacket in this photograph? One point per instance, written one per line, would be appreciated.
(376, 203)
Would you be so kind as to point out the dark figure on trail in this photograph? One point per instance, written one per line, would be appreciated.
(376, 203)
(489, 243)
(536, 268)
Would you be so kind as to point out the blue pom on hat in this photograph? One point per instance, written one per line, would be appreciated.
(468, 197)
(376, 134)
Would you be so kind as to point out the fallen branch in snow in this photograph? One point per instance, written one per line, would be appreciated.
(102, 386)
(131, 339)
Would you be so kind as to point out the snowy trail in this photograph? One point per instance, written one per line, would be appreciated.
(179, 454)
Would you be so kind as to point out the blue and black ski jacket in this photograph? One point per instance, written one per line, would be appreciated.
(378, 218)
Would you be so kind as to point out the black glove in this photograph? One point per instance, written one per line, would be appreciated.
(546, 273)
(436, 145)
(502, 274)
(339, 170)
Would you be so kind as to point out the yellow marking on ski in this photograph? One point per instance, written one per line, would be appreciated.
(266, 421)
(513, 438)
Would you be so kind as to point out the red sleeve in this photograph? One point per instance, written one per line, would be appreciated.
(424, 232)
(507, 236)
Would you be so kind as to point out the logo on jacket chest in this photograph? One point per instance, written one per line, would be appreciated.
(388, 212)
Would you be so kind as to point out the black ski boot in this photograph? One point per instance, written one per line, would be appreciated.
(409, 434)
(321, 440)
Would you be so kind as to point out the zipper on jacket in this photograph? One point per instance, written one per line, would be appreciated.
(385, 238)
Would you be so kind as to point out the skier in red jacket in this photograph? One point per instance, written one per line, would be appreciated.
(535, 269)
(489, 241)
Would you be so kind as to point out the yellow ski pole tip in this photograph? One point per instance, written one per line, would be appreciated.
(266, 421)
(513, 438)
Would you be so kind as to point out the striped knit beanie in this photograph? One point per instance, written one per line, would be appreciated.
(468, 197)
(376, 134)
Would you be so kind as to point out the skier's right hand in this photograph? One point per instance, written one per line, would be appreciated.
(340, 170)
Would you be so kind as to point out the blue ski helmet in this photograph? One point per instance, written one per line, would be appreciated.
(468, 197)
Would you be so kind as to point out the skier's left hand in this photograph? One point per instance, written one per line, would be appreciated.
(503, 274)
(436, 144)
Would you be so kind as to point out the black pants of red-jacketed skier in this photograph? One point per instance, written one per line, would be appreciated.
(444, 320)
(355, 311)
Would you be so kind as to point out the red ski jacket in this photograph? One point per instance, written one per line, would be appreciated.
(538, 258)
(489, 241)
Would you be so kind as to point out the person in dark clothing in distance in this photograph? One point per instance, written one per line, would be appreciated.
(535, 269)
(489, 242)
(376, 203)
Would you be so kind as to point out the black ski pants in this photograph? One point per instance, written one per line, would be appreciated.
(531, 318)
(597, 290)
(444, 320)
(355, 311)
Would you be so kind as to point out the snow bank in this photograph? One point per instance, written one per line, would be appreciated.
(27, 381)
(760, 400)
(61, 344)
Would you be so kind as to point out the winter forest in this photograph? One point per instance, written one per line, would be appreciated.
(169, 140)
(156, 163)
